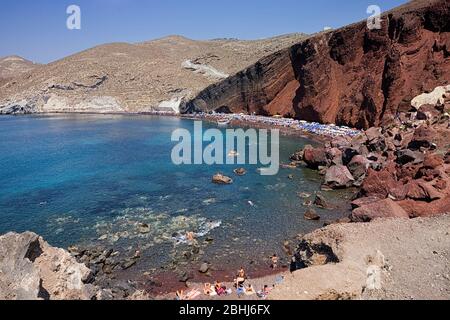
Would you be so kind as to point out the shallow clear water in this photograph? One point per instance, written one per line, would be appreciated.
(84, 178)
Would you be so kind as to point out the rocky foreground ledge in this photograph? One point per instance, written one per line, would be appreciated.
(396, 259)
(385, 259)
(31, 269)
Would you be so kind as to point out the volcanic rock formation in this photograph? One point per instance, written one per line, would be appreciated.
(402, 170)
(352, 76)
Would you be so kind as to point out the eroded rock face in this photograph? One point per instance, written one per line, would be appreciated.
(401, 170)
(351, 76)
(31, 269)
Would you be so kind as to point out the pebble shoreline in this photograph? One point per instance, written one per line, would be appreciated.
(299, 126)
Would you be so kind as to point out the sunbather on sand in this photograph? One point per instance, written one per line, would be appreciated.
(249, 290)
(208, 290)
(220, 289)
(274, 260)
(190, 236)
(264, 292)
(180, 295)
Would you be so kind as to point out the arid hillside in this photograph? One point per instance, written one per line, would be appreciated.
(14, 66)
(122, 77)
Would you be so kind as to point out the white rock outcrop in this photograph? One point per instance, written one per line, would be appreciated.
(434, 97)
(205, 70)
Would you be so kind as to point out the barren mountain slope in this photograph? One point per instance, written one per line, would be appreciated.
(134, 77)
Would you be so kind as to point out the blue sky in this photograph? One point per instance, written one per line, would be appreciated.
(36, 29)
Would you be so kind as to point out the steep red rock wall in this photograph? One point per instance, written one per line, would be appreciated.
(352, 76)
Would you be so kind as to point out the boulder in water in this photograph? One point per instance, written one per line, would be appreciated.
(338, 177)
(240, 172)
(221, 179)
(144, 228)
(311, 215)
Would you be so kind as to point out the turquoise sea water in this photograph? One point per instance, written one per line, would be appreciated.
(87, 178)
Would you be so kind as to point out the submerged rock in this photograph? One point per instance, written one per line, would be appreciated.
(320, 201)
(144, 228)
(128, 263)
(240, 172)
(311, 215)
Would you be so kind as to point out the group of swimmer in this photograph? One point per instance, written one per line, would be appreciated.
(220, 290)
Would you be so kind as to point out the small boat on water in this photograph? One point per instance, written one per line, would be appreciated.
(223, 122)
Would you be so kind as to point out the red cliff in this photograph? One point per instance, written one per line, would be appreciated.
(352, 76)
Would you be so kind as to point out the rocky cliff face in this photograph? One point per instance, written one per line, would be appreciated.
(30, 269)
(351, 76)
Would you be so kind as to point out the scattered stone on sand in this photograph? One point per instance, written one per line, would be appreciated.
(144, 228)
(379, 209)
(204, 268)
(185, 277)
(338, 176)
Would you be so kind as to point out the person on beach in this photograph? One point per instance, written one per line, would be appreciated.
(240, 279)
(249, 290)
(264, 292)
(267, 290)
(274, 260)
(220, 289)
(240, 291)
(180, 295)
(208, 289)
(190, 236)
